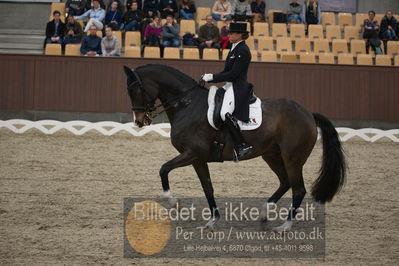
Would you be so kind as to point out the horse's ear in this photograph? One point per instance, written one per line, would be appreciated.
(128, 71)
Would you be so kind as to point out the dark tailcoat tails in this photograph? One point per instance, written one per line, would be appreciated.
(235, 71)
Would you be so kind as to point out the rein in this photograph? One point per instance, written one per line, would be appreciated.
(149, 105)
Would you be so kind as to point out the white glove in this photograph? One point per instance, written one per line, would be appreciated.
(207, 77)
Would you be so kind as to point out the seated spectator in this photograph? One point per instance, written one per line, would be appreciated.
(370, 33)
(241, 11)
(388, 26)
(109, 44)
(294, 12)
(150, 8)
(258, 8)
(167, 7)
(91, 45)
(153, 32)
(187, 9)
(96, 15)
(224, 35)
(55, 29)
(129, 4)
(170, 33)
(75, 7)
(113, 17)
(221, 10)
(132, 18)
(311, 12)
(73, 32)
(208, 35)
(89, 5)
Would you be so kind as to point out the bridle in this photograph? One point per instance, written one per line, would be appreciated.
(148, 106)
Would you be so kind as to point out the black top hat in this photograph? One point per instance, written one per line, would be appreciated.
(235, 27)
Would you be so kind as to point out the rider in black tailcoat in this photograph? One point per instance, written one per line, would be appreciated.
(235, 71)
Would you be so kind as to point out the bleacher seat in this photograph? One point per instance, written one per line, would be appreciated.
(225, 53)
(270, 15)
(326, 58)
(360, 17)
(250, 42)
(358, 47)
(365, 59)
(58, 6)
(132, 38)
(171, 53)
(187, 26)
(72, 49)
(316, 32)
(265, 44)
(379, 17)
(283, 45)
(351, 33)
(254, 56)
(279, 30)
(396, 60)
(210, 54)
(393, 48)
(53, 49)
(339, 46)
(345, 59)
(321, 46)
(345, 19)
(152, 52)
(333, 32)
(268, 56)
(132, 51)
(118, 35)
(191, 53)
(297, 31)
(302, 45)
(220, 25)
(307, 58)
(383, 60)
(261, 29)
(202, 12)
(201, 22)
(288, 57)
(327, 18)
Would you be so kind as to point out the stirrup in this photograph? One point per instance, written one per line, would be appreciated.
(243, 150)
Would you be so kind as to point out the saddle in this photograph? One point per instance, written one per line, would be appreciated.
(215, 101)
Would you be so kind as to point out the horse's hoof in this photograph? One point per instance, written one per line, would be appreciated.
(174, 203)
(285, 227)
(208, 229)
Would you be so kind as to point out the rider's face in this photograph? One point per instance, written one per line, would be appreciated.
(235, 37)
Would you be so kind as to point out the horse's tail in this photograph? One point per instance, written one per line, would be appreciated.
(333, 169)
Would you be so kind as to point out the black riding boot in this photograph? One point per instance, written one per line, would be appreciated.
(241, 148)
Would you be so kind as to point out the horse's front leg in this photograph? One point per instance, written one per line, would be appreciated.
(202, 170)
(184, 159)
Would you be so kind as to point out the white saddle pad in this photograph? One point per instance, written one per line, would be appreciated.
(255, 112)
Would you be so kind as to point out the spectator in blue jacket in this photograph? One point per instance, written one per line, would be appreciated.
(113, 17)
(167, 7)
(170, 33)
(91, 45)
(187, 9)
(96, 14)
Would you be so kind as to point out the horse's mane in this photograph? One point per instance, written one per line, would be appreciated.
(174, 71)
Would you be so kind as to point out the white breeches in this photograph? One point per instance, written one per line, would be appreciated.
(94, 22)
(228, 101)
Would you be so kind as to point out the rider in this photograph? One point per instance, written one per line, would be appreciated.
(238, 90)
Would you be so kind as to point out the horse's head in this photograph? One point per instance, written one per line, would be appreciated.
(142, 98)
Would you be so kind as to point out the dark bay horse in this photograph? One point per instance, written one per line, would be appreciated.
(284, 140)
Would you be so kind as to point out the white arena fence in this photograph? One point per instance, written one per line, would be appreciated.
(107, 128)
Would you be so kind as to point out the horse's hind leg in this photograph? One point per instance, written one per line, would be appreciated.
(295, 178)
(276, 163)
